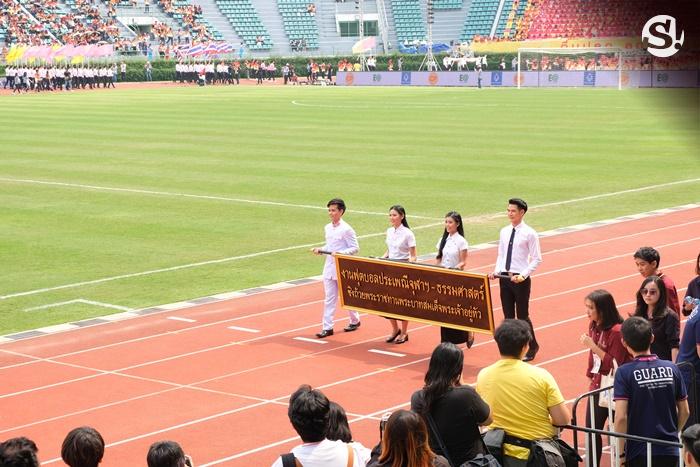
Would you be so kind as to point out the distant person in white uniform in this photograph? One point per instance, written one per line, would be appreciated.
(340, 238)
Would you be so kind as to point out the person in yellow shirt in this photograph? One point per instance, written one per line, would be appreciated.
(525, 400)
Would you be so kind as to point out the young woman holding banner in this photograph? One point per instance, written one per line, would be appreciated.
(452, 254)
(401, 245)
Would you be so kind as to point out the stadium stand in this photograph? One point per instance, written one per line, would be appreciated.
(447, 4)
(511, 17)
(246, 22)
(597, 18)
(299, 18)
(20, 26)
(189, 16)
(408, 20)
(480, 19)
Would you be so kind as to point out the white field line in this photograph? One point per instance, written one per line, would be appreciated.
(583, 245)
(189, 195)
(187, 266)
(83, 301)
(310, 245)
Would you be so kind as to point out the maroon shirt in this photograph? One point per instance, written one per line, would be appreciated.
(671, 293)
(610, 340)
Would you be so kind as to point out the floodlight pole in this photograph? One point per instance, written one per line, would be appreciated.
(360, 7)
(429, 60)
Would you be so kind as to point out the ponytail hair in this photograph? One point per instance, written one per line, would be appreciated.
(460, 229)
(398, 208)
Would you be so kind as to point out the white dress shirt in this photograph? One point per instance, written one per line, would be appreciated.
(399, 242)
(328, 453)
(454, 245)
(526, 254)
(340, 238)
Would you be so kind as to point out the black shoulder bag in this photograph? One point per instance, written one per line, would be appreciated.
(481, 460)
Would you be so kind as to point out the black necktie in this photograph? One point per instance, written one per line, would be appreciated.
(509, 255)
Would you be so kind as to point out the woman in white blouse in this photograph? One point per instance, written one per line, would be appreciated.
(401, 245)
(452, 253)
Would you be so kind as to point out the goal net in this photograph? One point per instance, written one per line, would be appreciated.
(574, 59)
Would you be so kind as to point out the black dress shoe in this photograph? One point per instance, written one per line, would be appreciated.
(324, 333)
(530, 355)
(470, 339)
(351, 327)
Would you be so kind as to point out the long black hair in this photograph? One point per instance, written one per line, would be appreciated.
(338, 427)
(444, 372)
(398, 208)
(659, 310)
(605, 307)
(460, 229)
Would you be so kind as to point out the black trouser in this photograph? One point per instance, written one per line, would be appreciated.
(656, 461)
(600, 415)
(515, 299)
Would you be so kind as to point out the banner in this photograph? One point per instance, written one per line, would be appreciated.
(416, 292)
(481, 48)
(364, 45)
(49, 53)
(204, 48)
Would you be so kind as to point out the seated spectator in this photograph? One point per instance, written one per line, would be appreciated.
(338, 427)
(18, 452)
(308, 413)
(405, 443)
(83, 447)
(650, 399)
(525, 400)
(647, 260)
(651, 305)
(691, 446)
(457, 410)
(167, 454)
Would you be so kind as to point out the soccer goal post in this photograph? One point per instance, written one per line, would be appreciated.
(571, 59)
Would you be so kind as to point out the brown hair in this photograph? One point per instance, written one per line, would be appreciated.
(405, 441)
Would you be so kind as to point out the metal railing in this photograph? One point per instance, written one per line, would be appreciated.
(591, 447)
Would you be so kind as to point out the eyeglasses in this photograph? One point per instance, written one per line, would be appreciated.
(648, 291)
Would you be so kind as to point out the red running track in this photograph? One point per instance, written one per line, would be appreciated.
(222, 392)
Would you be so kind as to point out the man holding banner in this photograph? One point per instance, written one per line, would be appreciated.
(340, 238)
(518, 257)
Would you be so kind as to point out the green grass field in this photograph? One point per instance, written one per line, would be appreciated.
(123, 162)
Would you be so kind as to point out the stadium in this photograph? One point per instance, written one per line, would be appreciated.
(166, 168)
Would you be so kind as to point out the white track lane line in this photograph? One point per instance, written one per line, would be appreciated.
(495, 284)
(296, 247)
(184, 320)
(238, 328)
(173, 357)
(550, 325)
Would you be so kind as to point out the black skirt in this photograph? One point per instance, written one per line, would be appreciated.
(456, 336)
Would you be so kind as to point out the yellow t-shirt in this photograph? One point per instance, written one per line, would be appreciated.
(520, 396)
